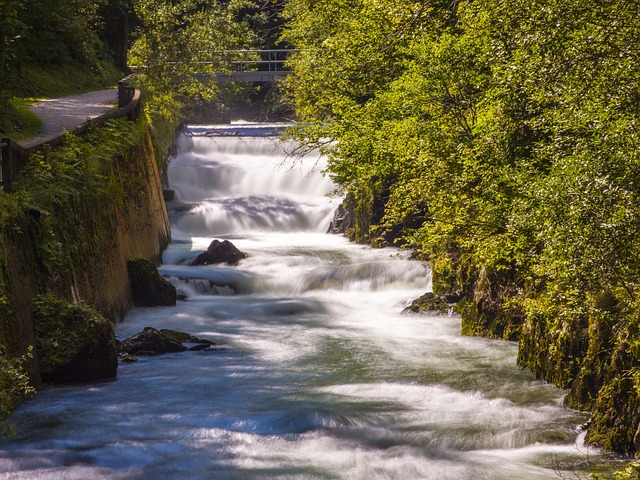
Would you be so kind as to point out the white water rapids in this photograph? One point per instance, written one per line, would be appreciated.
(318, 374)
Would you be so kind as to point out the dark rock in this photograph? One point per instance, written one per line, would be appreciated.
(181, 337)
(418, 255)
(148, 287)
(343, 220)
(452, 299)
(149, 342)
(168, 195)
(220, 252)
(153, 342)
(74, 342)
(429, 302)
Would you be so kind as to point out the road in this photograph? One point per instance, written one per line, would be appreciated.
(64, 114)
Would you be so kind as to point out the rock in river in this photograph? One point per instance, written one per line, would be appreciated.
(74, 342)
(152, 342)
(220, 252)
(148, 287)
(432, 303)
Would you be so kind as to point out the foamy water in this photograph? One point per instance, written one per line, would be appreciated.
(317, 376)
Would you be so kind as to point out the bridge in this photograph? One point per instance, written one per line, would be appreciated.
(252, 65)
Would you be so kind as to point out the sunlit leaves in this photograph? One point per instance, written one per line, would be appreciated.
(180, 44)
(513, 120)
(503, 139)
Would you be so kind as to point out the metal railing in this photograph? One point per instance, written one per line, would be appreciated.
(252, 65)
(14, 157)
(238, 66)
(126, 94)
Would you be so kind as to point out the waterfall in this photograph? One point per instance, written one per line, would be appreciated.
(247, 184)
(316, 374)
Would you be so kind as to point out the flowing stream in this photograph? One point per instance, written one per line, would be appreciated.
(317, 374)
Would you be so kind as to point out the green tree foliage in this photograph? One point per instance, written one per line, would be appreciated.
(500, 140)
(59, 31)
(266, 22)
(46, 37)
(117, 21)
(14, 386)
(50, 48)
(181, 43)
(10, 26)
(179, 48)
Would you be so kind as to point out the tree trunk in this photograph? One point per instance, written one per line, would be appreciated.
(124, 41)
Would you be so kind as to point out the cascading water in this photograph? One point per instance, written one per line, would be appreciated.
(318, 375)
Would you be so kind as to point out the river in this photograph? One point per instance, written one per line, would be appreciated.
(317, 374)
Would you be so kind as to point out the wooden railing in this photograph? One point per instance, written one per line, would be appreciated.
(14, 157)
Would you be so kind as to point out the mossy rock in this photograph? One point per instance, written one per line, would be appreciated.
(178, 337)
(74, 342)
(148, 287)
(429, 303)
(487, 319)
(616, 417)
(343, 220)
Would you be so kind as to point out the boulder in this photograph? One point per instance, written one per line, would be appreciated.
(74, 342)
(150, 341)
(343, 220)
(153, 342)
(430, 302)
(190, 342)
(148, 287)
(220, 252)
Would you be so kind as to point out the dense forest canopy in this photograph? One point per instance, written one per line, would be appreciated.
(94, 34)
(500, 139)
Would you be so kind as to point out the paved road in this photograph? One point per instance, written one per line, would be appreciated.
(66, 113)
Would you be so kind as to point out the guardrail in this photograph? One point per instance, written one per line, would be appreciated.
(253, 65)
(14, 157)
(263, 60)
(261, 66)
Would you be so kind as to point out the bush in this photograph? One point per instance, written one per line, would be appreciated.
(14, 386)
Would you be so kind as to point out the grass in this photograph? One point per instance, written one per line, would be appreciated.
(64, 80)
(17, 121)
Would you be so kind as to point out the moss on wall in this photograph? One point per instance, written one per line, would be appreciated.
(77, 214)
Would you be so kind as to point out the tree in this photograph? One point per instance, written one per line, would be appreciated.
(176, 38)
(10, 26)
(117, 20)
(499, 139)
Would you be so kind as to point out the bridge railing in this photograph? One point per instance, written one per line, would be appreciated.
(251, 60)
(239, 65)
(251, 65)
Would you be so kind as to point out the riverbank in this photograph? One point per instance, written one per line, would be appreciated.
(74, 218)
(316, 372)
